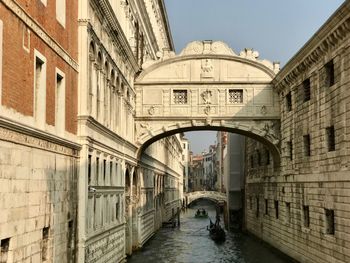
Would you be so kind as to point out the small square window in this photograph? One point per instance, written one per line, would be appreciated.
(235, 96)
(180, 96)
(330, 228)
(307, 145)
(330, 138)
(329, 71)
(307, 89)
(289, 101)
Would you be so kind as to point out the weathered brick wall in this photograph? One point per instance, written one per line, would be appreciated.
(318, 183)
(19, 43)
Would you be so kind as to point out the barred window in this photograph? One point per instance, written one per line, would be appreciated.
(235, 96)
(307, 89)
(330, 138)
(289, 101)
(329, 68)
(180, 96)
(306, 213)
(330, 228)
(307, 145)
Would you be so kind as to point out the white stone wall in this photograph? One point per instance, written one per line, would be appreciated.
(295, 199)
(38, 189)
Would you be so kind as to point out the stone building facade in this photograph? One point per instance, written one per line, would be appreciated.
(302, 207)
(38, 127)
(74, 185)
(124, 194)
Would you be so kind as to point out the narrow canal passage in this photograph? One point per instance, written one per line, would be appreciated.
(190, 243)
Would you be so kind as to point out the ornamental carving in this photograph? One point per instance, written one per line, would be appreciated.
(206, 96)
(207, 69)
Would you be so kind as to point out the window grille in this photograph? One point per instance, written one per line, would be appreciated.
(307, 145)
(235, 96)
(180, 96)
(307, 89)
(329, 68)
(306, 216)
(330, 138)
(330, 228)
(289, 101)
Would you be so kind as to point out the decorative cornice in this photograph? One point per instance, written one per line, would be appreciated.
(40, 32)
(331, 34)
(21, 134)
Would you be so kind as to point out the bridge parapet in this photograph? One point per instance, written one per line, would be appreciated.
(211, 195)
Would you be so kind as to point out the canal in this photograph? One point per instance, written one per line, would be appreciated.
(190, 243)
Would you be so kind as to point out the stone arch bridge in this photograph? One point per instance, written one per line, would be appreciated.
(214, 196)
(208, 87)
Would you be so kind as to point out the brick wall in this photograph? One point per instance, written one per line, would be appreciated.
(19, 43)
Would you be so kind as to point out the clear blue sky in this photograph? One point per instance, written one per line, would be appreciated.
(275, 28)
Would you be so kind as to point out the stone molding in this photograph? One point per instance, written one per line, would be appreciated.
(40, 32)
(325, 40)
(20, 134)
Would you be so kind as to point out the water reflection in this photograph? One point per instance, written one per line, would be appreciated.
(191, 244)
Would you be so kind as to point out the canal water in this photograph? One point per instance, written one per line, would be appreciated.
(190, 243)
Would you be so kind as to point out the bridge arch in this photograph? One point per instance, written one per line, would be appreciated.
(208, 87)
(214, 196)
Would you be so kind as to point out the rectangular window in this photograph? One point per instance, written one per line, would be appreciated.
(329, 71)
(70, 240)
(61, 12)
(257, 207)
(288, 218)
(110, 172)
(330, 229)
(276, 208)
(45, 243)
(235, 96)
(97, 170)
(104, 171)
(180, 96)
(40, 89)
(60, 103)
(250, 202)
(289, 101)
(330, 138)
(306, 214)
(117, 210)
(307, 145)
(266, 207)
(307, 89)
(89, 169)
(5, 244)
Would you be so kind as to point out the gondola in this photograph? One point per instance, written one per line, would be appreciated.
(216, 232)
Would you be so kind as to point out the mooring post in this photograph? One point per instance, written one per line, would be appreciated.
(178, 216)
